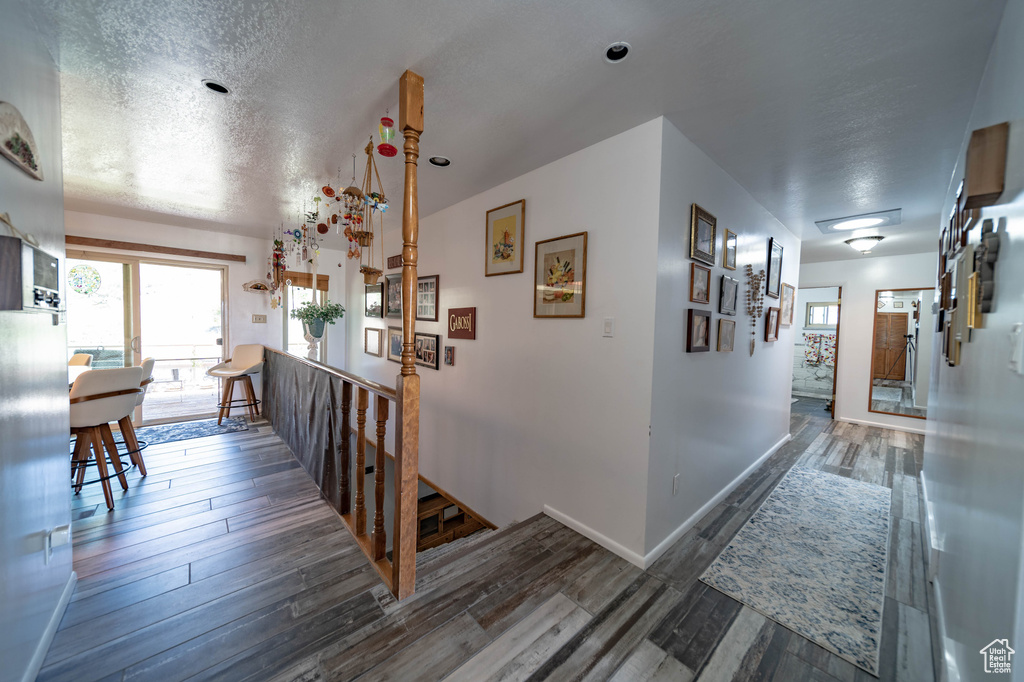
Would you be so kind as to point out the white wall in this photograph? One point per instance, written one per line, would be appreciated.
(34, 491)
(713, 414)
(241, 305)
(859, 280)
(974, 449)
(544, 412)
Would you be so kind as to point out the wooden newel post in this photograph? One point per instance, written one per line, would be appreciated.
(410, 121)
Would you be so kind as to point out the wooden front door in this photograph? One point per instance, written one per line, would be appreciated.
(890, 331)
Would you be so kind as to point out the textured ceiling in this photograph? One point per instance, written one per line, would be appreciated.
(819, 108)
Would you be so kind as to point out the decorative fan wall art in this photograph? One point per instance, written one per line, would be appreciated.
(16, 141)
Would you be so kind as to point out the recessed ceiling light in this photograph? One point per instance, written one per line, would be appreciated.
(616, 52)
(216, 87)
(864, 244)
(440, 161)
(856, 222)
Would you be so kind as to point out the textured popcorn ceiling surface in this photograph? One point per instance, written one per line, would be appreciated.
(820, 109)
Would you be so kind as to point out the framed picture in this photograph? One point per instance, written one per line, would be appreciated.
(427, 346)
(393, 295)
(373, 342)
(729, 250)
(449, 356)
(395, 344)
(726, 335)
(698, 330)
(702, 235)
(700, 283)
(560, 277)
(973, 301)
(774, 275)
(788, 305)
(771, 325)
(427, 289)
(897, 304)
(506, 227)
(374, 300)
(727, 295)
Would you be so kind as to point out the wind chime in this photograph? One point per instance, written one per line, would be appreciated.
(374, 205)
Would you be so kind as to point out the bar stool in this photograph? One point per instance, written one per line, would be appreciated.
(245, 360)
(80, 359)
(99, 397)
(131, 443)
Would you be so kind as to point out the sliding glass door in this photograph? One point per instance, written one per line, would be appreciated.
(122, 310)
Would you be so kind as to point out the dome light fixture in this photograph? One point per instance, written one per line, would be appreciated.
(857, 223)
(864, 244)
(440, 161)
(616, 52)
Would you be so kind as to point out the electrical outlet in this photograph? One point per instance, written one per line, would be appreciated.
(675, 485)
(259, 319)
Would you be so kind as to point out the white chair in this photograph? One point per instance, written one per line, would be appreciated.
(132, 444)
(81, 359)
(245, 360)
(99, 397)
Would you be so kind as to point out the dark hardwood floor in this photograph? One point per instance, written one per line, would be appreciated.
(224, 564)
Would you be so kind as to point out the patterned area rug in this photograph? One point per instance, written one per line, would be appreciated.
(165, 433)
(813, 559)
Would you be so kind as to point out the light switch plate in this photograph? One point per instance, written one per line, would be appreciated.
(675, 484)
(609, 327)
(259, 319)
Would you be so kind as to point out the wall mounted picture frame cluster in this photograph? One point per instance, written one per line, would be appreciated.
(374, 303)
(698, 330)
(428, 298)
(700, 283)
(703, 228)
(504, 239)
(560, 277)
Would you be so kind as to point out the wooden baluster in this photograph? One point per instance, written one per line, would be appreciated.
(380, 539)
(346, 437)
(410, 121)
(362, 402)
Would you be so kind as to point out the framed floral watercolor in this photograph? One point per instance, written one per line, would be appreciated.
(700, 283)
(771, 325)
(702, 235)
(788, 305)
(728, 292)
(393, 295)
(698, 330)
(560, 277)
(729, 243)
(395, 344)
(726, 335)
(427, 289)
(506, 227)
(374, 300)
(427, 346)
(373, 341)
(774, 278)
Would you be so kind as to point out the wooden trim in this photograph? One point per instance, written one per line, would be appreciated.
(305, 279)
(371, 386)
(108, 394)
(149, 248)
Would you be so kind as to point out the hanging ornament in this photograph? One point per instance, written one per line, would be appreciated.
(386, 128)
(363, 223)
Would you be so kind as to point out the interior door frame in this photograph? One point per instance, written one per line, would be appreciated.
(835, 370)
(134, 295)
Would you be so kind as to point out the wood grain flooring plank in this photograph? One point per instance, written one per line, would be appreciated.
(82, 610)
(434, 655)
(648, 663)
(596, 587)
(729, 653)
(142, 550)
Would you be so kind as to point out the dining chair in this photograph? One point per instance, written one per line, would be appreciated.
(81, 359)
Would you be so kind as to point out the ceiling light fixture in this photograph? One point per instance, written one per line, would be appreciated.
(216, 87)
(616, 52)
(864, 244)
(856, 222)
(440, 161)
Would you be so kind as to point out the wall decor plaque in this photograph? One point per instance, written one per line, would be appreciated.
(462, 323)
(394, 262)
(16, 141)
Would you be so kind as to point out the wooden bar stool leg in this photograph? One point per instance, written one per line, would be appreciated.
(111, 445)
(131, 442)
(96, 439)
(225, 411)
(250, 397)
(80, 444)
(252, 392)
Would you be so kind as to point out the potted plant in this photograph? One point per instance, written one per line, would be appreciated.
(315, 316)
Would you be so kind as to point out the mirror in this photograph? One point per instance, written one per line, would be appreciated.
(899, 362)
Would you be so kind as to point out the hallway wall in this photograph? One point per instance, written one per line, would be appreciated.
(974, 449)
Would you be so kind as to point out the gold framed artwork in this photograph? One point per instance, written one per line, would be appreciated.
(726, 335)
(788, 305)
(373, 341)
(974, 301)
(700, 283)
(771, 325)
(504, 242)
(698, 330)
(702, 235)
(395, 344)
(560, 277)
(729, 244)
(427, 295)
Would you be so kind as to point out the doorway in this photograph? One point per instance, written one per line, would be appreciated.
(816, 351)
(122, 309)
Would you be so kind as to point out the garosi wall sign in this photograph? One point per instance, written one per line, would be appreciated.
(462, 323)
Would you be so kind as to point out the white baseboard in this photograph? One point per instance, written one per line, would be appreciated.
(603, 540)
(35, 664)
(689, 523)
(865, 422)
(949, 672)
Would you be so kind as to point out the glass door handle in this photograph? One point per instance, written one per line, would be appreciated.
(137, 344)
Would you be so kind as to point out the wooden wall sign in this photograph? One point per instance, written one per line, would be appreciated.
(986, 165)
(462, 323)
(394, 262)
